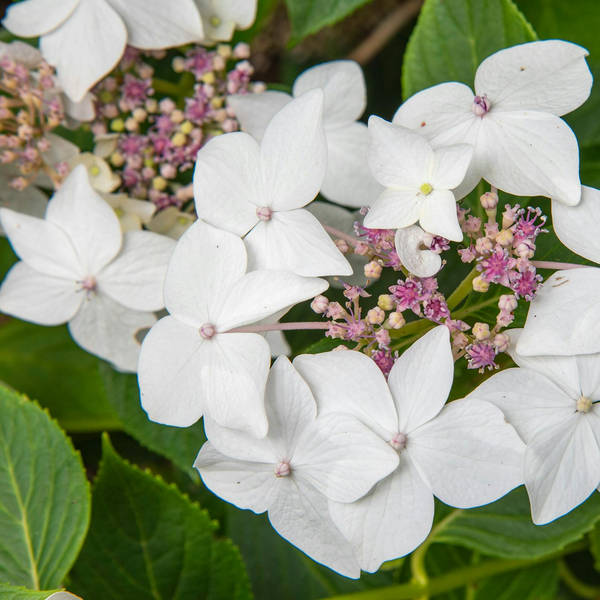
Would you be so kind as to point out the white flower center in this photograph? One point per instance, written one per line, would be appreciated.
(584, 404)
(89, 283)
(282, 469)
(264, 213)
(481, 105)
(207, 331)
(398, 442)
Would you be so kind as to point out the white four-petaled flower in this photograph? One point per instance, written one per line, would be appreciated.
(418, 180)
(464, 453)
(347, 180)
(512, 120)
(190, 363)
(259, 191)
(552, 402)
(220, 18)
(304, 461)
(77, 267)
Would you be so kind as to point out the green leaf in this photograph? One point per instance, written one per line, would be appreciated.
(577, 22)
(504, 528)
(12, 592)
(452, 37)
(308, 16)
(595, 545)
(179, 444)
(46, 364)
(536, 583)
(44, 496)
(148, 540)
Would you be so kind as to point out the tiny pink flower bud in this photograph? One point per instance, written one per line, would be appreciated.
(168, 171)
(480, 284)
(525, 249)
(264, 213)
(396, 320)
(481, 331)
(208, 331)
(383, 338)
(468, 255)
(481, 105)
(335, 311)
(282, 469)
(489, 200)
(504, 318)
(460, 340)
(385, 302)
(241, 50)
(373, 270)
(342, 246)
(509, 216)
(319, 304)
(472, 224)
(484, 245)
(229, 125)
(375, 316)
(361, 248)
(491, 230)
(501, 342)
(398, 442)
(504, 238)
(167, 106)
(507, 302)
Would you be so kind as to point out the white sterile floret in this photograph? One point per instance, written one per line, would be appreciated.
(84, 39)
(258, 191)
(304, 461)
(191, 363)
(418, 180)
(414, 253)
(552, 403)
(464, 453)
(564, 316)
(521, 144)
(77, 267)
(348, 180)
(220, 18)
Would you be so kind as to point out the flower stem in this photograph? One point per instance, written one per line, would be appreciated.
(463, 289)
(341, 235)
(548, 264)
(456, 578)
(280, 327)
(582, 589)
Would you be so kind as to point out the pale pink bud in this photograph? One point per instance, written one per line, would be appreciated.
(335, 311)
(319, 304)
(484, 245)
(509, 216)
(501, 342)
(167, 106)
(383, 338)
(373, 270)
(480, 284)
(481, 105)
(489, 200)
(168, 171)
(207, 331)
(507, 302)
(375, 316)
(385, 301)
(396, 320)
(460, 340)
(504, 318)
(504, 238)
(342, 246)
(241, 50)
(481, 331)
(525, 249)
(361, 249)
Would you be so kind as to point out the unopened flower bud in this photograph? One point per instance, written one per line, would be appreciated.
(483, 245)
(179, 139)
(131, 124)
(383, 338)
(525, 249)
(507, 302)
(480, 284)
(481, 331)
(319, 304)
(396, 320)
(361, 249)
(375, 316)
(501, 342)
(186, 127)
(335, 311)
(342, 246)
(489, 200)
(509, 216)
(385, 302)
(168, 171)
(460, 340)
(504, 318)
(159, 183)
(241, 50)
(178, 64)
(472, 224)
(167, 106)
(373, 270)
(224, 50)
(177, 116)
(117, 159)
(140, 115)
(504, 238)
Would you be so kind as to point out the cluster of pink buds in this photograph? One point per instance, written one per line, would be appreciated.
(30, 108)
(158, 126)
(503, 254)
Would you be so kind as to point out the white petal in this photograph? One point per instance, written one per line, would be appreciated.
(578, 227)
(351, 383)
(530, 154)
(421, 378)
(469, 454)
(227, 182)
(413, 254)
(247, 484)
(300, 515)
(390, 521)
(220, 17)
(204, 267)
(450, 166)
(442, 113)
(398, 157)
(153, 24)
(254, 111)
(85, 47)
(344, 90)
(294, 153)
(37, 17)
(529, 400)
(87, 219)
(30, 201)
(295, 241)
(561, 370)
(562, 468)
(169, 374)
(437, 215)
(564, 316)
(108, 330)
(83, 110)
(588, 366)
(31, 296)
(277, 343)
(42, 245)
(136, 277)
(60, 150)
(394, 208)
(342, 457)
(549, 76)
(21, 51)
(348, 179)
(259, 294)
